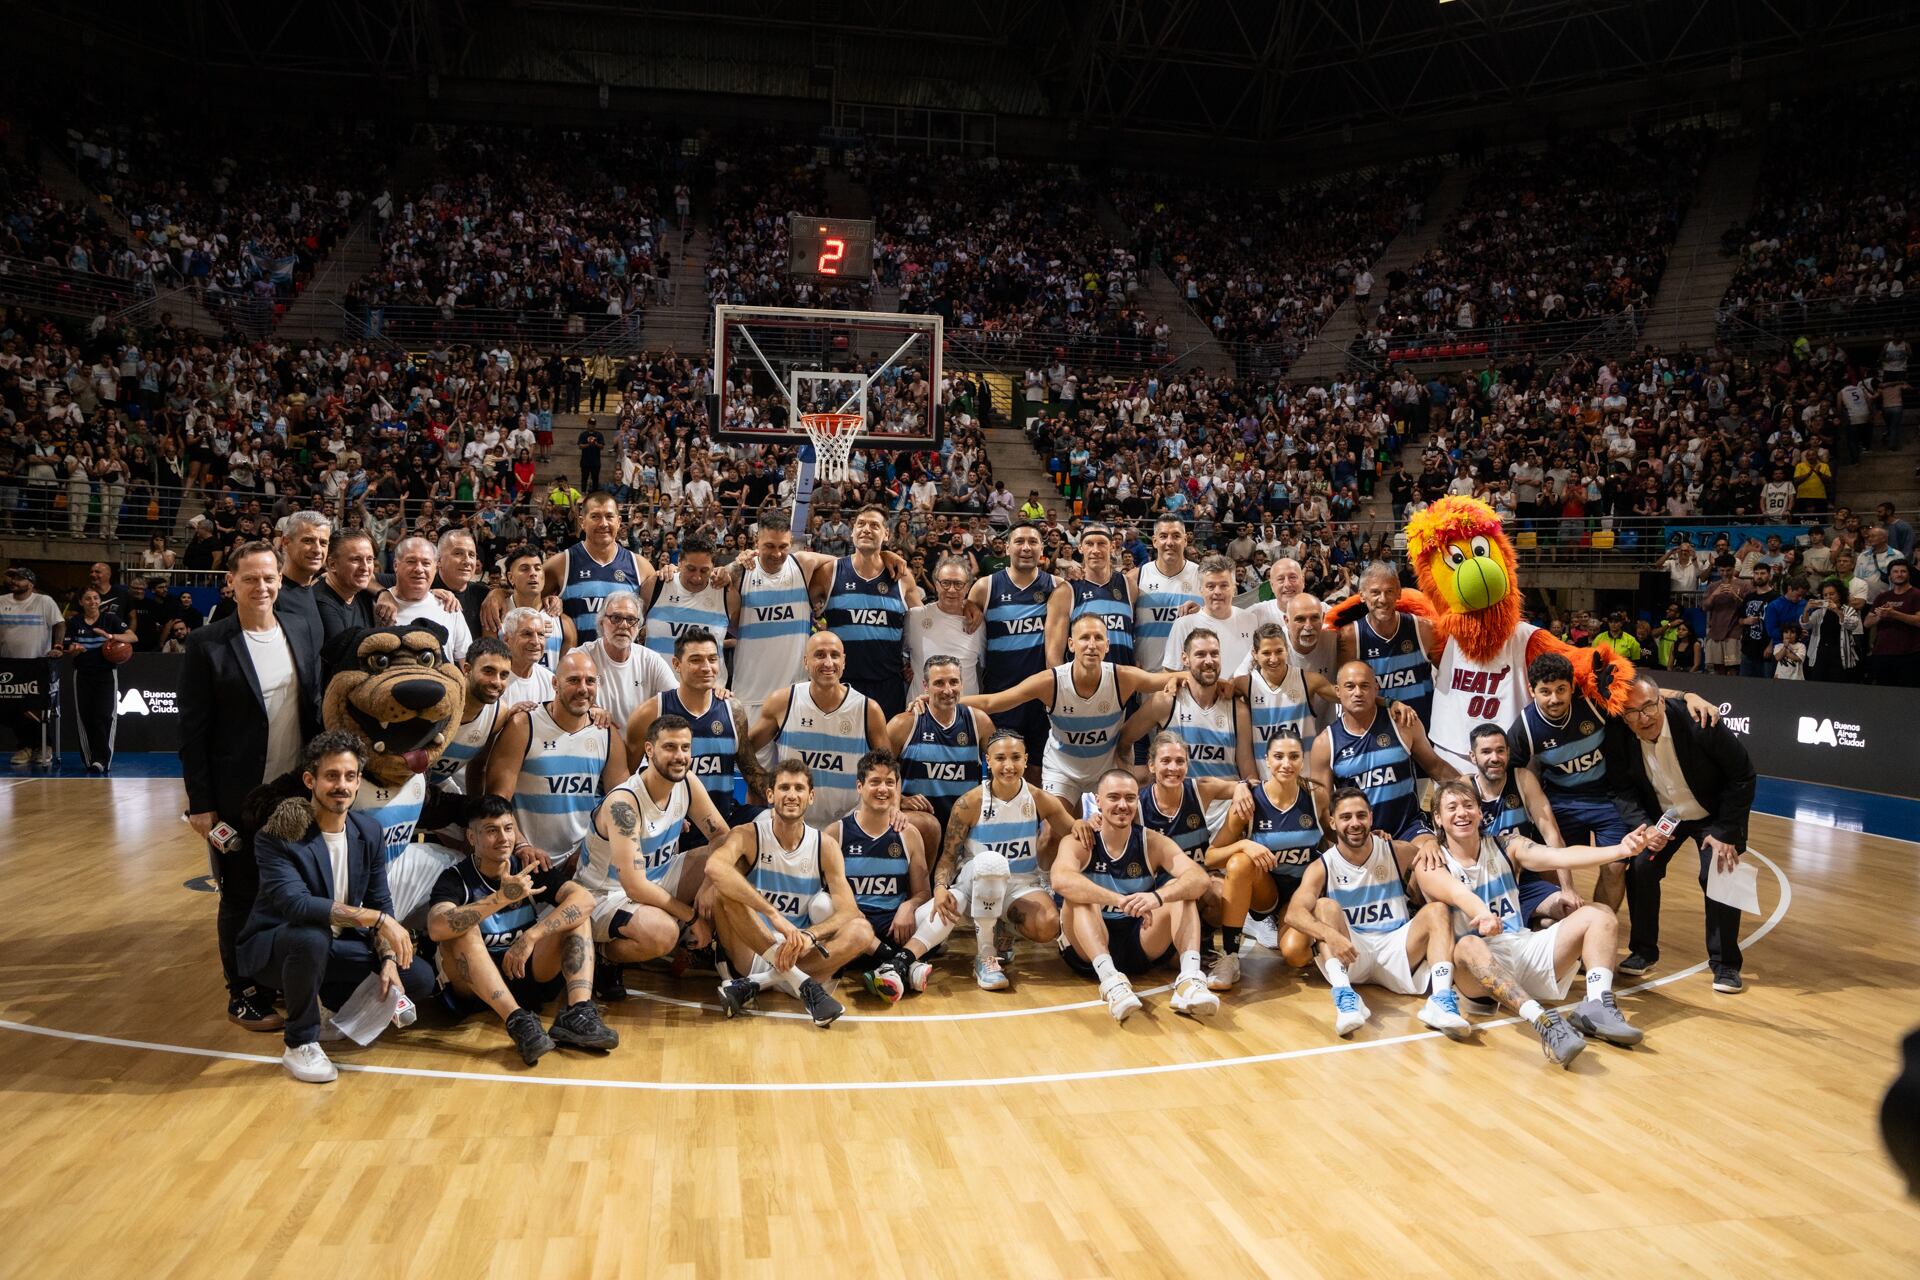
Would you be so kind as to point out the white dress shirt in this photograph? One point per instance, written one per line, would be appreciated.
(1663, 771)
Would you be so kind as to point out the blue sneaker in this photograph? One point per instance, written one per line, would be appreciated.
(1442, 1013)
(987, 971)
(1352, 1011)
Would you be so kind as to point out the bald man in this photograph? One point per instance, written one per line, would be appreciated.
(1365, 747)
(826, 725)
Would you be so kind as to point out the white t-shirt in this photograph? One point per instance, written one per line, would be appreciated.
(26, 626)
(535, 686)
(428, 608)
(623, 686)
(280, 690)
(1236, 639)
(930, 632)
(337, 855)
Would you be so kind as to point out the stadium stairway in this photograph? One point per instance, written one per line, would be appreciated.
(683, 319)
(1192, 342)
(316, 312)
(1698, 272)
(1326, 356)
(1881, 477)
(1015, 462)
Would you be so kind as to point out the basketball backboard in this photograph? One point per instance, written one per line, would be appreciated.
(772, 364)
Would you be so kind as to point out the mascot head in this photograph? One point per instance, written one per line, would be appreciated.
(394, 689)
(1468, 570)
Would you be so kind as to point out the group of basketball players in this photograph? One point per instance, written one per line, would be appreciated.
(1121, 766)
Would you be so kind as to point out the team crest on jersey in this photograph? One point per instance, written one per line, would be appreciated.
(926, 624)
(716, 727)
(1306, 820)
(962, 740)
(1382, 740)
(1586, 726)
(1406, 646)
(1193, 821)
(619, 575)
(1039, 597)
(1135, 869)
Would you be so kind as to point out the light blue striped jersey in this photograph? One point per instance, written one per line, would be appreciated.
(830, 744)
(676, 611)
(1010, 828)
(1157, 606)
(1186, 826)
(1567, 753)
(942, 762)
(1399, 664)
(1293, 832)
(776, 616)
(870, 617)
(396, 809)
(1377, 762)
(1209, 735)
(1373, 895)
(1016, 629)
(558, 787)
(1126, 872)
(660, 826)
(716, 747)
(1083, 728)
(1110, 600)
(1272, 709)
(787, 878)
(1490, 878)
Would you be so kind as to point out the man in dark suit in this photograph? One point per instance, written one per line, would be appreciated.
(1658, 758)
(249, 697)
(323, 920)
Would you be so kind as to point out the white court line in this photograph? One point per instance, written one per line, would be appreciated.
(835, 1086)
(657, 998)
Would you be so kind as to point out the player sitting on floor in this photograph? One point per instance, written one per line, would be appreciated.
(887, 868)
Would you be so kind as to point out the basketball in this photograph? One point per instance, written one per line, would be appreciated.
(116, 651)
(1476, 586)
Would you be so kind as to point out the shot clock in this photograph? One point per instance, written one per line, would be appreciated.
(829, 248)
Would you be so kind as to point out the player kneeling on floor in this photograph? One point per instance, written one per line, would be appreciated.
(887, 869)
(1352, 902)
(1128, 901)
(501, 947)
(782, 908)
(1518, 966)
(990, 861)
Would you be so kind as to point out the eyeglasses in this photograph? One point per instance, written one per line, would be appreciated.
(1642, 713)
(949, 582)
(620, 619)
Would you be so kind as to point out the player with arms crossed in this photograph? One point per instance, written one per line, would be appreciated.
(1352, 902)
(996, 839)
(782, 907)
(1518, 966)
(1128, 900)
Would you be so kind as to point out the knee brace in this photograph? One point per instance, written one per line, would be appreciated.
(989, 876)
(820, 907)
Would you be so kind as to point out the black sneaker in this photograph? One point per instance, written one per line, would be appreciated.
(254, 1013)
(609, 982)
(736, 994)
(1727, 982)
(1636, 964)
(528, 1037)
(579, 1025)
(823, 1007)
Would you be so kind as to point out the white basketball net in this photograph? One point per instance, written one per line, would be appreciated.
(833, 435)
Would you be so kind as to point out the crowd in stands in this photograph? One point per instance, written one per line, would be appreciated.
(1834, 224)
(1578, 230)
(1267, 266)
(541, 223)
(756, 184)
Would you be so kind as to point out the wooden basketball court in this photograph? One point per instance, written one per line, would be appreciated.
(960, 1134)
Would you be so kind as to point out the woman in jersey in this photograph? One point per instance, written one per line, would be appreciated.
(1264, 857)
(1086, 701)
(1175, 804)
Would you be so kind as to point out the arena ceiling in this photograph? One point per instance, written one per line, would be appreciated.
(1232, 70)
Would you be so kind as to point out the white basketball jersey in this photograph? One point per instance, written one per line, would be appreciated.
(676, 610)
(449, 772)
(1158, 605)
(775, 619)
(659, 834)
(396, 809)
(1083, 728)
(1272, 709)
(1490, 878)
(1372, 895)
(1467, 693)
(786, 878)
(1008, 827)
(1208, 733)
(830, 744)
(559, 784)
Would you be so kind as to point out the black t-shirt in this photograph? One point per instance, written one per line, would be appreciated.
(462, 884)
(590, 445)
(90, 636)
(1753, 640)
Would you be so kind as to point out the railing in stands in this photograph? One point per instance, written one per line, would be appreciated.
(1765, 328)
(1545, 340)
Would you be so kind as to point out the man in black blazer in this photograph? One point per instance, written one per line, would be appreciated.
(249, 697)
(1659, 758)
(323, 920)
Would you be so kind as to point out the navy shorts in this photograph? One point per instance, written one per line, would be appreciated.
(1286, 882)
(1123, 944)
(1534, 890)
(1587, 819)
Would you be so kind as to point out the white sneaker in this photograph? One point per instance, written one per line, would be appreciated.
(23, 756)
(1351, 1011)
(1265, 931)
(1442, 1013)
(309, 1064)
(1191, 997)
(1224, 972)
(43, 757)
(1118, 993)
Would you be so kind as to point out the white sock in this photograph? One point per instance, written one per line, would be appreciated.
(1103, 969)
(1442, 975)
(1190, 964)
(1531, 1011)
(1336, 973)
(983, 938)
(769, 976)
(1599, 982)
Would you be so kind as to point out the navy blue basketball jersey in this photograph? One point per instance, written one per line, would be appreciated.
(589, 583)
(1570, 759)
(1378, 763)
(1293, 832)
(942, 761)
(462, 884)
(1115, 607)
(870, 618)
(716, 749)
(1399, 664)
(1016, 629)
(1124, 873)
(877, 867)
(1506, 814)
(1186, 826)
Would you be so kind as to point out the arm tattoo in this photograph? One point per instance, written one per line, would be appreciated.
(560, 919)
(461, 919)
(625, 820)
(950, 851)
(342, 916)
(748, 760)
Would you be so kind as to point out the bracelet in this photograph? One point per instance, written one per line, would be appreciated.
(1157, 898)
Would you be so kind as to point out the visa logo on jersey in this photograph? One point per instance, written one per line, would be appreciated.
(776, 613)
(947, 771)
(1580, 764)
(398, 835)
(1086, 737)
(1382, 777)
(572, 784)
(870, 618)
(1026, 626)
(830, 761)
(1371, 913)
(874, 886)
